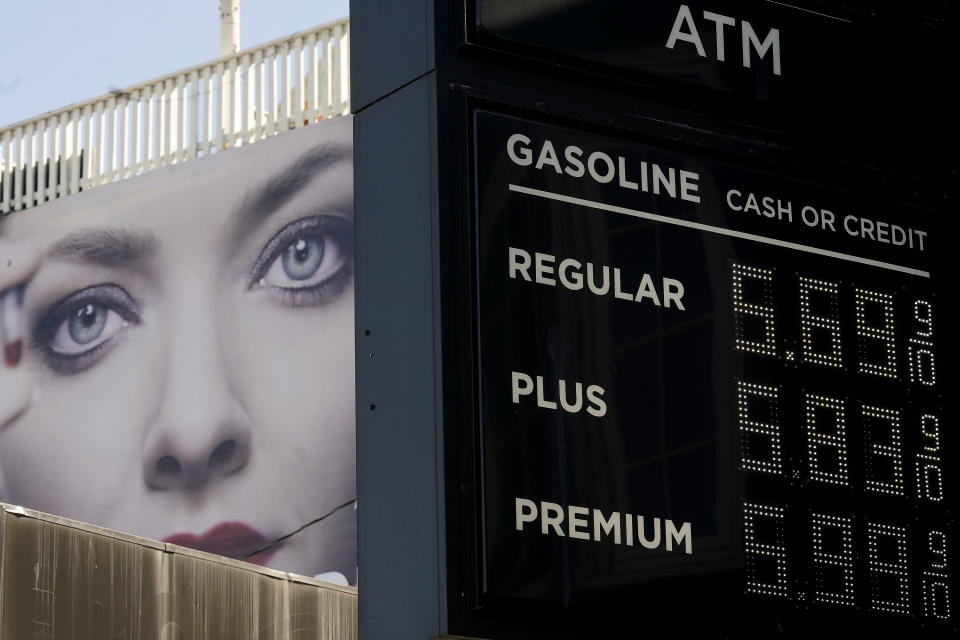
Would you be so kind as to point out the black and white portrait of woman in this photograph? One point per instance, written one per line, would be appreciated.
(178, 354)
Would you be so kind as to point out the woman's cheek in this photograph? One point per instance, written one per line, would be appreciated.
(296, 381)
(297, 350)
(48, 466)
(78, 450)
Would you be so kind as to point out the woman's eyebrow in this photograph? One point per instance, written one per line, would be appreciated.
(106, 246)
(283, 186)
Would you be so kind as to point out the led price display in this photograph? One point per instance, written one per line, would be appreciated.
(704, 381)
(892, 428)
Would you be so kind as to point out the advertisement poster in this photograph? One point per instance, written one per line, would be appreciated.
(178, 355)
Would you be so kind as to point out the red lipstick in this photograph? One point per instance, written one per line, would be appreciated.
(231, 539)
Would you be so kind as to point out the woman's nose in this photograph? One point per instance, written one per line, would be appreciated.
(200, 431)
(182, 461)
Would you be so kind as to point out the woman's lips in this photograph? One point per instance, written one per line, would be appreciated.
(231, 539)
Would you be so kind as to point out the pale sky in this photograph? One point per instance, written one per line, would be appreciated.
(57, 52)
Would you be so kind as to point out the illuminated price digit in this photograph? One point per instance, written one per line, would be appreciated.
(929, 467)
(758, 414)
(884, 450)
(820, 322)
(826, 439)
(920, 347)
(936, 579)
(755, 330)
(764, 551)
(889, 573)
(876, 341)
(833, 558)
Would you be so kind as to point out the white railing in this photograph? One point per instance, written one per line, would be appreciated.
(232, 101)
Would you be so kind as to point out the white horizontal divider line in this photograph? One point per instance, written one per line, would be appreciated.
(549, 195)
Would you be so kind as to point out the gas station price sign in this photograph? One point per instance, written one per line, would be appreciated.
(707, 391)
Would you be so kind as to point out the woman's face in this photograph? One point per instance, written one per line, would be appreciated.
(191, 335)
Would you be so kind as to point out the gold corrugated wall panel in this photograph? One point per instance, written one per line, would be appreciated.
(64, 580)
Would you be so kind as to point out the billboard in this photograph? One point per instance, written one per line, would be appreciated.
(178, 355)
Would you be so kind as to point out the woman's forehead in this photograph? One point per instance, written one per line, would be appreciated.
(202, 192)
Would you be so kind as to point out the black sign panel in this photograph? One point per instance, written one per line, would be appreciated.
(710, 396)
(873, 85)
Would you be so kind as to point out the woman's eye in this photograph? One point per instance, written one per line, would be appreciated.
(80, 329)
(308, 261)
(85, 328)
